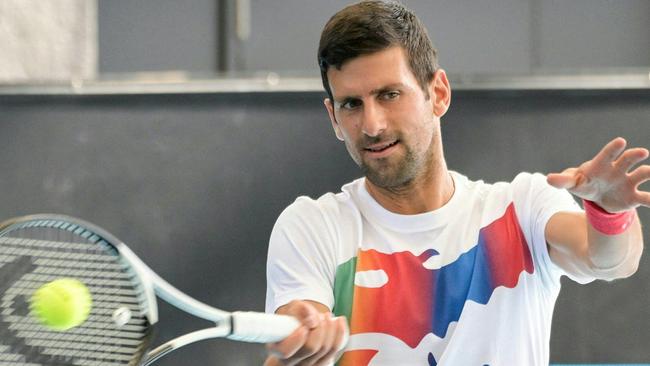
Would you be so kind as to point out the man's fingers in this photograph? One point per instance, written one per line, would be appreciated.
(341, 332)
(631, 157)
(564, 180)
(287, 347)
(610, 152)
(610, 177)
(315, 342)
(640, 175)
(328, 334)
(330, 342)
(312, 344)
(643, 198)
(272, 361)
(304, 312)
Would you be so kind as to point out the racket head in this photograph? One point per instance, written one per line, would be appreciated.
(37, 249)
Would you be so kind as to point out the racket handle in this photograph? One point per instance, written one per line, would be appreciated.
(249, 326)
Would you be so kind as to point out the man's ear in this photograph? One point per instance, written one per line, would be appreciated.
(330, 111)
(440, 93)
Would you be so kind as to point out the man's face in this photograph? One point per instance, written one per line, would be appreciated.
(385, 118)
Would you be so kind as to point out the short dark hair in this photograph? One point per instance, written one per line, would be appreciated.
(371, 26)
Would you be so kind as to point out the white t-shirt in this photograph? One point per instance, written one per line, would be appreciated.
(470, 283)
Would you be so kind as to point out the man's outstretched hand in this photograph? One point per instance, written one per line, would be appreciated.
(609, 179)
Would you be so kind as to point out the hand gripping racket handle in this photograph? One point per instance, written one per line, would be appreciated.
(244, 326)
(248, 326)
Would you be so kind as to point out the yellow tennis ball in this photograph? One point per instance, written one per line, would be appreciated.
(61, 304)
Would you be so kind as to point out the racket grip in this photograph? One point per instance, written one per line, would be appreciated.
(249, 326)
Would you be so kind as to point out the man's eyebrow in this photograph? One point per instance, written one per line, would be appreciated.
(387, 87)
(344, 100)
(380, 90)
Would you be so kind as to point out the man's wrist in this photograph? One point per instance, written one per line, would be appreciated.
(606, 222)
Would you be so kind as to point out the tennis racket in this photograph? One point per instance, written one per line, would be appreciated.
(37, 249)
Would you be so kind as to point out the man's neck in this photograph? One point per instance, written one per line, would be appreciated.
(423, 194)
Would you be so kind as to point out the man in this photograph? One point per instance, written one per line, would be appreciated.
(425, 266)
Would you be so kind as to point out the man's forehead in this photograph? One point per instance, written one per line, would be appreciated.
(371, 72)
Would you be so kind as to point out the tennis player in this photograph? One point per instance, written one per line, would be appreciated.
(425, 266)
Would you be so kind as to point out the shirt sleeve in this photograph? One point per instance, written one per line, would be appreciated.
(537, 201)
(301, 257)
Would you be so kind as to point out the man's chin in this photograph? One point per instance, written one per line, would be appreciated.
(386, 179)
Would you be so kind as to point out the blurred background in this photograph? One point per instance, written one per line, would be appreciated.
(185, 128)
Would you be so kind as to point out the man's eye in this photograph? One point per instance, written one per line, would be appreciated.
(390, 95)
(350, 104)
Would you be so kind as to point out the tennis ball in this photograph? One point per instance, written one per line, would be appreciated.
(61, 304)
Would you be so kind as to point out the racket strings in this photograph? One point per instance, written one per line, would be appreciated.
(37, 252)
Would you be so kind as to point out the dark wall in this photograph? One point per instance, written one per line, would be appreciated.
(193, 183)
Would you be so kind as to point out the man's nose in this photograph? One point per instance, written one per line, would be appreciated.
(374, 119)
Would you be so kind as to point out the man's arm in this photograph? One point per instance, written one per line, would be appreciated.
(609, 181)
(317, 342)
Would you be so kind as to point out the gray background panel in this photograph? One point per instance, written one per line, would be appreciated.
(157, 35)
(592, 34)
(473, 36)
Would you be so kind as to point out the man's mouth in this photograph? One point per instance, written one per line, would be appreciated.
(381, 147)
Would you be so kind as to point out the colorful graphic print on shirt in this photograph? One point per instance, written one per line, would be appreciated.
(404, 300)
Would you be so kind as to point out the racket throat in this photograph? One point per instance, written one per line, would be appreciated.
(221, 330)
